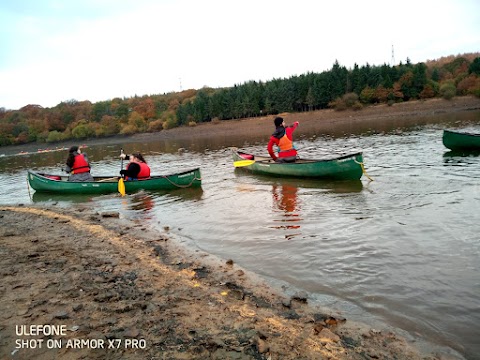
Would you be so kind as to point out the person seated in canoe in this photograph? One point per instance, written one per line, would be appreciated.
(137, 168)
(282, 138)
(78, 166)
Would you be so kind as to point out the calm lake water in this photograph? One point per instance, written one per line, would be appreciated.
(402, 250)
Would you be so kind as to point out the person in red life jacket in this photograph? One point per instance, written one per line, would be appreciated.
(282, 138)
(78, 166)
(137, 168)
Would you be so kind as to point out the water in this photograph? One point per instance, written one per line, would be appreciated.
(402, 250)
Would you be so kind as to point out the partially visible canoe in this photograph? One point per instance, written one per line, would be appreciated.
(104, 184)
(346, 167)
(455, 140)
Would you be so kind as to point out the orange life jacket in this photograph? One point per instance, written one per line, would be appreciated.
(284, 143)
(80, 165)
(286, 147)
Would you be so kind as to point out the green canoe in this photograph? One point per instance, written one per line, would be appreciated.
(455, 140)
(105, 184)
(346, 167)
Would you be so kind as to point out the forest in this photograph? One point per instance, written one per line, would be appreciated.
(338, 88)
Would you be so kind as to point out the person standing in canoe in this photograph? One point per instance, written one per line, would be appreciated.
(282, 138)
(78, 166)
(137, 168)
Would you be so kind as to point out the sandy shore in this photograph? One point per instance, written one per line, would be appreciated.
(107, 282)
(115, 289)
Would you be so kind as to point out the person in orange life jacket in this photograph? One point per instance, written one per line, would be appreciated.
(78, 166)
(283, 139)
(137, 168)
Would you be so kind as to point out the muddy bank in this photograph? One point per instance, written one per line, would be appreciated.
(321, 120)
(119, 290)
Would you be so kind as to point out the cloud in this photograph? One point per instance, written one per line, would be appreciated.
(98, 50)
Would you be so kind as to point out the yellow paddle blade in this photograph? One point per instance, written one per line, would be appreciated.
(121, 187)
(241, 163)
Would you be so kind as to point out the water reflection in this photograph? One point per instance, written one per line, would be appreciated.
(285, 198)
(38, 197)
(461, 153)
(142, 201)
(460, 158)
(328, 186)
(288, 195)
(285, 201)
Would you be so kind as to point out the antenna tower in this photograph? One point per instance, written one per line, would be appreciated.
(393, 57)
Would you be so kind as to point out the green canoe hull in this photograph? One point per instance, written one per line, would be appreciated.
(455, 140)
(105, 185)
(347, 167)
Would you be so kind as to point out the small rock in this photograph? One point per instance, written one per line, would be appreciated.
(318, 328)
(332, 321)
(61, 315)
(300, 297)
(236, 294)
(291, 315)
(262, 346)
(77, 307)
(111, 214)
(131, 333)
(22, 311)
(327, 336)
(229, 262)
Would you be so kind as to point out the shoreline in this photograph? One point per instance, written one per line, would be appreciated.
(106, 278)
(326, 120)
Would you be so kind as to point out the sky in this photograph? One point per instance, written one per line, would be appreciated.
(97, 50)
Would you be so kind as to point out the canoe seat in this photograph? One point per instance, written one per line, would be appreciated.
(53, 177)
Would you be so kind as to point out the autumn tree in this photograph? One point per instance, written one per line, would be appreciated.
(367, 96)
(109, 125)
(427, 92)
(146, 108)
(469, 85)
(448, 90)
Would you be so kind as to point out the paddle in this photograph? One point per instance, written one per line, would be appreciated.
(121, 185)
(241, 163)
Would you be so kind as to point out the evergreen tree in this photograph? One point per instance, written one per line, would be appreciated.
(474, 67)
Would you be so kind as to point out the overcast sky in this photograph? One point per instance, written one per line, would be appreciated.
(56, 50)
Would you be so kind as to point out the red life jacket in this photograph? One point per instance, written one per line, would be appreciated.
(144, 170)
(80, 165)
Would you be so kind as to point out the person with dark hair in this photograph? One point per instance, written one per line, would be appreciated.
(282, 138)
(137, 168)
(78, 166)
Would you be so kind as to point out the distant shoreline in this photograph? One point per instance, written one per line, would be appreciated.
(320, 120)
